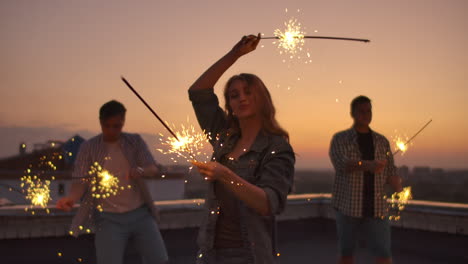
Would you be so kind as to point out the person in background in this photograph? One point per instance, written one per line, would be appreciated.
(363, 162)
(130, 214)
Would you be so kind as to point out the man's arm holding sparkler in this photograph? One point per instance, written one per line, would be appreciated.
(341, 162)
(79, 185)
(393, 179)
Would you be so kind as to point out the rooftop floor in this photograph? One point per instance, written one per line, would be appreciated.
(427, 233)
(300, 241)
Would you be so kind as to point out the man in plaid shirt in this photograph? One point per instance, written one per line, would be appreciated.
(363, 162)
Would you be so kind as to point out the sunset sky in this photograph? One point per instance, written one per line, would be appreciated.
(61, 60)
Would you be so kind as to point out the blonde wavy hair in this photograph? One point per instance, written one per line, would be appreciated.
(266, 108)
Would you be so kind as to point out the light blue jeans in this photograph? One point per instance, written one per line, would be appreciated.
(114, 230)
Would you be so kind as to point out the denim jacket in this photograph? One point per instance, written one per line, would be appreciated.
(269, 164)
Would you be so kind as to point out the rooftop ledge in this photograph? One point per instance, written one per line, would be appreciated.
(429, 216)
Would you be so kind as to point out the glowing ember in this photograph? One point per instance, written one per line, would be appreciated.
(292, 39)
(191, 145)
(398, 201)
(104, 184)
(37, 191)
(400, 143)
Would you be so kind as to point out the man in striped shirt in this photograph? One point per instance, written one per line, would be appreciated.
(131, 212)
(363, 163)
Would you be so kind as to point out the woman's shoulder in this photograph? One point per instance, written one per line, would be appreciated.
(279, 143)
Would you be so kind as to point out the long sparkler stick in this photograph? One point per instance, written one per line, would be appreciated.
(322, 37)
(149, 107)
(156, 115)
(417, 133)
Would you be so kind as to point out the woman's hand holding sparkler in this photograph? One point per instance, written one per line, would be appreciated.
(209, 78)
(252, 195)
(246, 44)
(211, 170)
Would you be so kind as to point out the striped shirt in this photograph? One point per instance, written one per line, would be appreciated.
(94, 150)
(347, 196)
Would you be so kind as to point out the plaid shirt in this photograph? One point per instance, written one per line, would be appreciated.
(93, 150)
(348, 187)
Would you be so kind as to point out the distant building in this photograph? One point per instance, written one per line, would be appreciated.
(457, 176)
(56, 158)
(421, 173)
(403, 172)
(58, 152)
(437, 175)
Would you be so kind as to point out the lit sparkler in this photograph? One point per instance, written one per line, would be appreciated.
(318, 37)
(290, 42)
(186, 143)
(37, 190)
(149, 107)
(399, 142)
(402, 146)
(399, 200)
(104, 184)
(292, 39)
(189, 144)
(34, 187)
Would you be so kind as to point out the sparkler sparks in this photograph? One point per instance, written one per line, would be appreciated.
(37, 191)
(402, 145)
(399, 200)
(290, 42)
(292, 39)
(186, 144)
(104, 184)
(189, 144)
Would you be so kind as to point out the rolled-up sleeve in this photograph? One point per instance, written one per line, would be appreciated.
(277, 176)
(210, 116)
